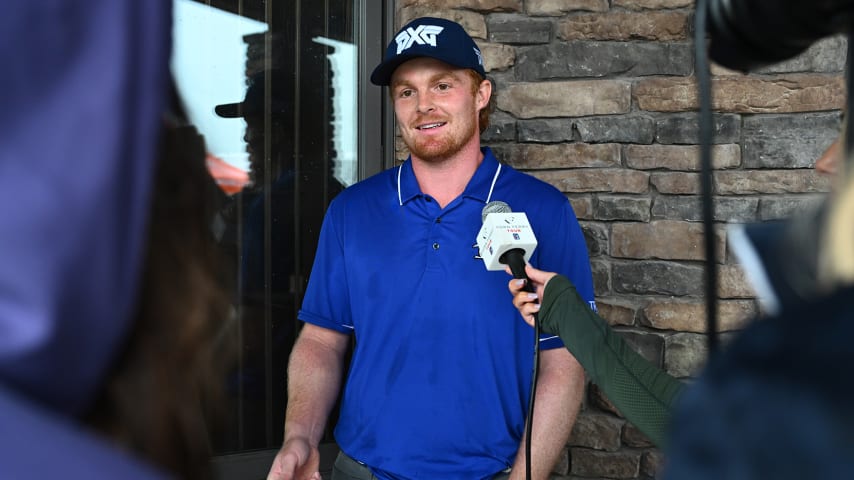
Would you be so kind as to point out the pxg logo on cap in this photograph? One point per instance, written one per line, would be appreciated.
(437, 38)
(422, 34)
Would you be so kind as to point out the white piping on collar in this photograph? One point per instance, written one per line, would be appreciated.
(488, 196)
(399, 199)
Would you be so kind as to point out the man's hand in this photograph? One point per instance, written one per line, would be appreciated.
(296, 460)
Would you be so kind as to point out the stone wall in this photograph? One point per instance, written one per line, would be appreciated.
(598, 98)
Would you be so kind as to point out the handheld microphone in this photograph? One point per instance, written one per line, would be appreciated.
(506, 238)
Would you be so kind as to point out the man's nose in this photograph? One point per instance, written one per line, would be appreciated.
(425, 103)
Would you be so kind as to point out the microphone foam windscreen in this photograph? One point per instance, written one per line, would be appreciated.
(495, 206)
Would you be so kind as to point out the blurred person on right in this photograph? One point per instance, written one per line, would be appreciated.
(777, 402)
(641, 391)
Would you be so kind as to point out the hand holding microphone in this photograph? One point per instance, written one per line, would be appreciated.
(527, 296)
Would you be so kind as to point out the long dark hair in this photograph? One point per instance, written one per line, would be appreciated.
(163, 394)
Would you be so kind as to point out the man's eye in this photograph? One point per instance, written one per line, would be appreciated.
(405, 93)
(443, 86)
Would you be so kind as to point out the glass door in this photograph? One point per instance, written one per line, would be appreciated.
(277, 90)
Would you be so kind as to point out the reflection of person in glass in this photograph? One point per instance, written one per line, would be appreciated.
(271, 171)
(266, 227)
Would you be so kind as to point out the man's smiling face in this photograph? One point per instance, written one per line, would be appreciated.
(436, 106)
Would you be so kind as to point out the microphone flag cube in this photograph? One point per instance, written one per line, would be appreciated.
(502, 232)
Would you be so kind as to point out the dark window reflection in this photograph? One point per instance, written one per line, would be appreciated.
(269, 229)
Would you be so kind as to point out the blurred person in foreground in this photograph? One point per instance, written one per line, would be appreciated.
(774, 403)
(107, 301)
(162, 395)
(777, 402)
(436, 389)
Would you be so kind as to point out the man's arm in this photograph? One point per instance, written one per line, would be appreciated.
(560, 387)
(314, 379)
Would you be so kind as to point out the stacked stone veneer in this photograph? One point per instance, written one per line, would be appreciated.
(598, 98)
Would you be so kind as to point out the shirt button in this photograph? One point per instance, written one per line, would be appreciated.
(439, 220)
(435, 246)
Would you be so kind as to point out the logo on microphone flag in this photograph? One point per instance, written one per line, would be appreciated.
(501, 232)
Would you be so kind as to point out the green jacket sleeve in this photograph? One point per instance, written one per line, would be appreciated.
(641, 391)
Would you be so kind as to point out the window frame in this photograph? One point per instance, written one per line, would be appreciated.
(375, 153)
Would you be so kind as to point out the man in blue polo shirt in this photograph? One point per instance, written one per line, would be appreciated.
(440, 376)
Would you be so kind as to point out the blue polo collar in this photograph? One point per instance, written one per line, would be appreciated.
(480, 186)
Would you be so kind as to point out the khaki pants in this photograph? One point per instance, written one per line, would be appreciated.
(346, 468)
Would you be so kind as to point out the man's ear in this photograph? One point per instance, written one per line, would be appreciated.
(483, 94)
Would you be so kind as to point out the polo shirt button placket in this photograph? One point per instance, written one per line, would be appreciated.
(436, 244)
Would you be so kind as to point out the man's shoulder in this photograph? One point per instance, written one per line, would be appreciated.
(380, 182)
(531, 188)
(364, 196)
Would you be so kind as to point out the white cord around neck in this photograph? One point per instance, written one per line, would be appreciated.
(494, 179)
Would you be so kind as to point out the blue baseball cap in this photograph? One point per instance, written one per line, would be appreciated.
(429, 37)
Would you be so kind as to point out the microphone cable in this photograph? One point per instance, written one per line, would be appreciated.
(534, 374)
(515, 260)
(706, 133)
